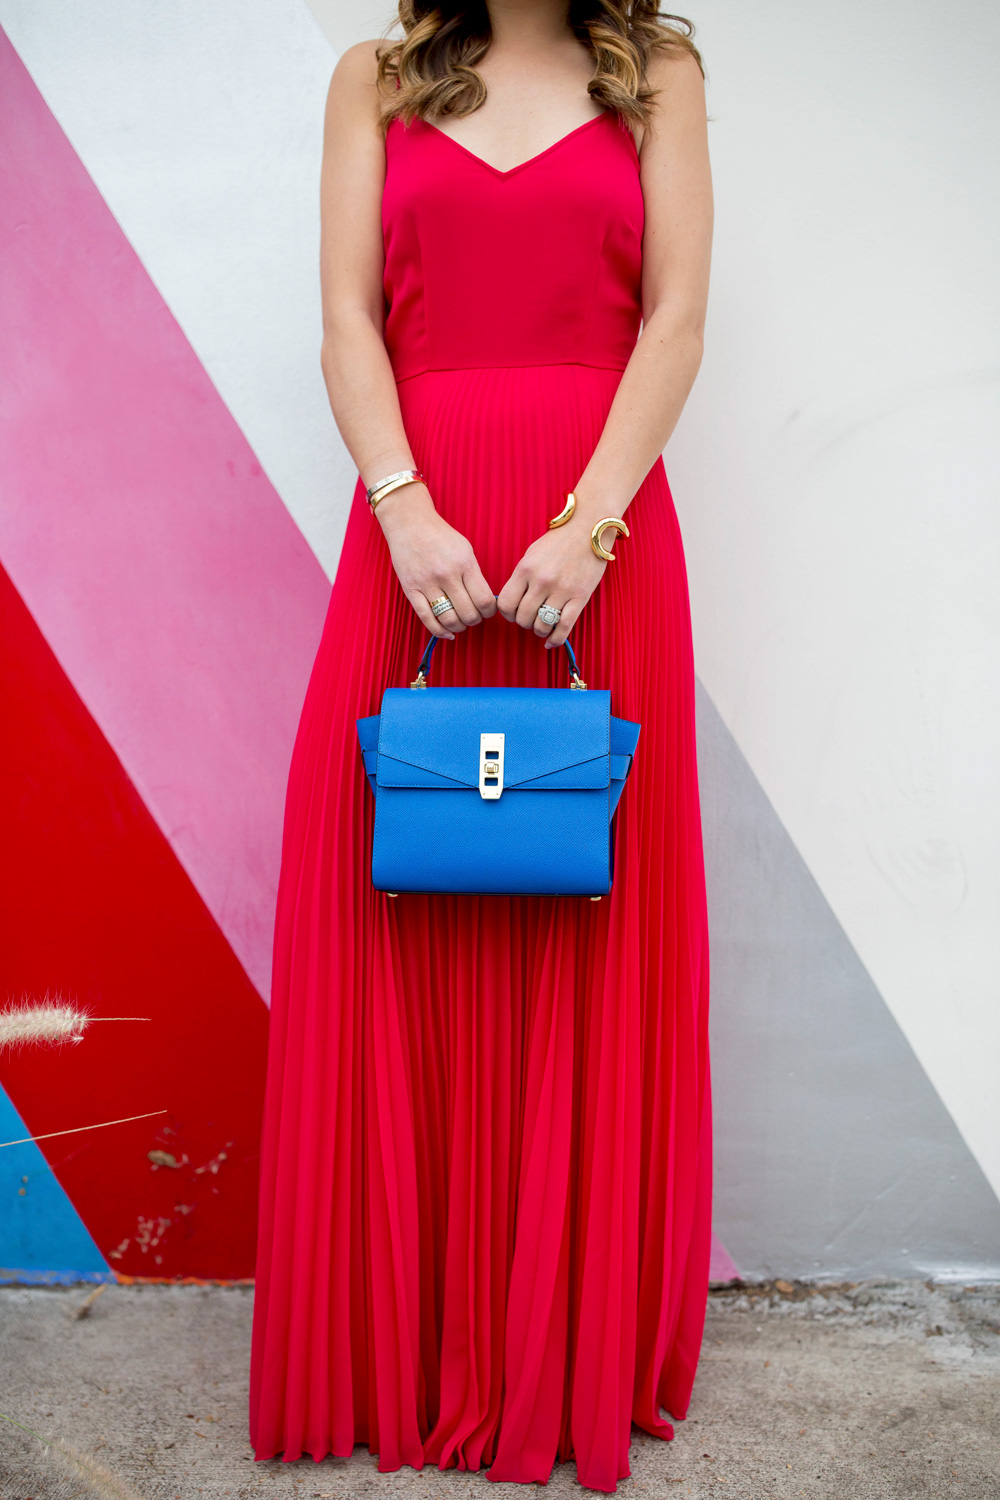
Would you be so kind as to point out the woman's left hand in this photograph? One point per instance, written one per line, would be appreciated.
(560, 569)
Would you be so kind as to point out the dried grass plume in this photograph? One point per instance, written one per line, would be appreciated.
(42, 1021)
(81, 1467)
(56, 1020)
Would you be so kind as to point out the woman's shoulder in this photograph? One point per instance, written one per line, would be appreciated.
(360, 61)
(670, 68)
(674, 76)
(356, 71)
(354, 87)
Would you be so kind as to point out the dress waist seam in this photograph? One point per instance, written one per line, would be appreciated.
(557, 364)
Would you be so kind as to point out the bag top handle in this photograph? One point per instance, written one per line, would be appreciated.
(423, 670)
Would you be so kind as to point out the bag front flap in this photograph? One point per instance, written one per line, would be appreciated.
(552, 736)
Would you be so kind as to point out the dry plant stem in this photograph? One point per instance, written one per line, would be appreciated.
(99, 1479)
(83, 1311)
(101, 1124)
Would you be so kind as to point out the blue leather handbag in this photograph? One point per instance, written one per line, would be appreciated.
(495, 790)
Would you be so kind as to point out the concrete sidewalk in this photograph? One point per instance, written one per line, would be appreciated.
(875, 1390)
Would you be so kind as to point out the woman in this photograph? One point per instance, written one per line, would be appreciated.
(486, 1162)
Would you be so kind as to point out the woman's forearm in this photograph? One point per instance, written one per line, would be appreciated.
(646, 408)
(431, 559)
(362, 392)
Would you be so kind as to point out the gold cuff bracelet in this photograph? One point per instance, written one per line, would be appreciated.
(595, 536)
(565, 513)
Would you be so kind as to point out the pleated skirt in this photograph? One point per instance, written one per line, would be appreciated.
(485, 1187)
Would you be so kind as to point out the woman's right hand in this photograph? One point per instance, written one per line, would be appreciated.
(431, 558)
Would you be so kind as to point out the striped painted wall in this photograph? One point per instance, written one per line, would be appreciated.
(172, 497)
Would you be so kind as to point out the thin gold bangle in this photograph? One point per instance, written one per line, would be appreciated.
(381, 491)
(386, 478)
(595, 536)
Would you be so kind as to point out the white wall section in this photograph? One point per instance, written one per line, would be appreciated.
(836, 475)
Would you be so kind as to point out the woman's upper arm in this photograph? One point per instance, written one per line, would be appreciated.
(677, 190)
(353, 173)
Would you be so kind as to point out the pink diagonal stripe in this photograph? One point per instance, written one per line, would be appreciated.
(721, 1266)
(155, 555)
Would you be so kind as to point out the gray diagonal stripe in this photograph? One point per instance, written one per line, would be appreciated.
(834, 1153)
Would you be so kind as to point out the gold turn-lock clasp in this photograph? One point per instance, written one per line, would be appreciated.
(490, 767)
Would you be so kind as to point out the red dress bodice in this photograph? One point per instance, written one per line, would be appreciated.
(539, 265)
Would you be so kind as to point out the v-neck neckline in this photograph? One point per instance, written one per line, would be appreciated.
(521, 165)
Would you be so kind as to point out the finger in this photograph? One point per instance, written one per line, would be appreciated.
(450, 617)
(463, 605)
(511, 594)
(540, 628)
(462, 612)
(532, 597)
(425, 614)
(571, 612)
(480, 592)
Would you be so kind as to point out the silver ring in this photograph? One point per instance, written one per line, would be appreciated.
(441, 606)
(548, 614)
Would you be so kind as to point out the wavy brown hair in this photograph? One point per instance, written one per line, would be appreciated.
(434, 65)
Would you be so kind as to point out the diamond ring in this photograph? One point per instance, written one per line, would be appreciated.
(441, 606)
(548, 614)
